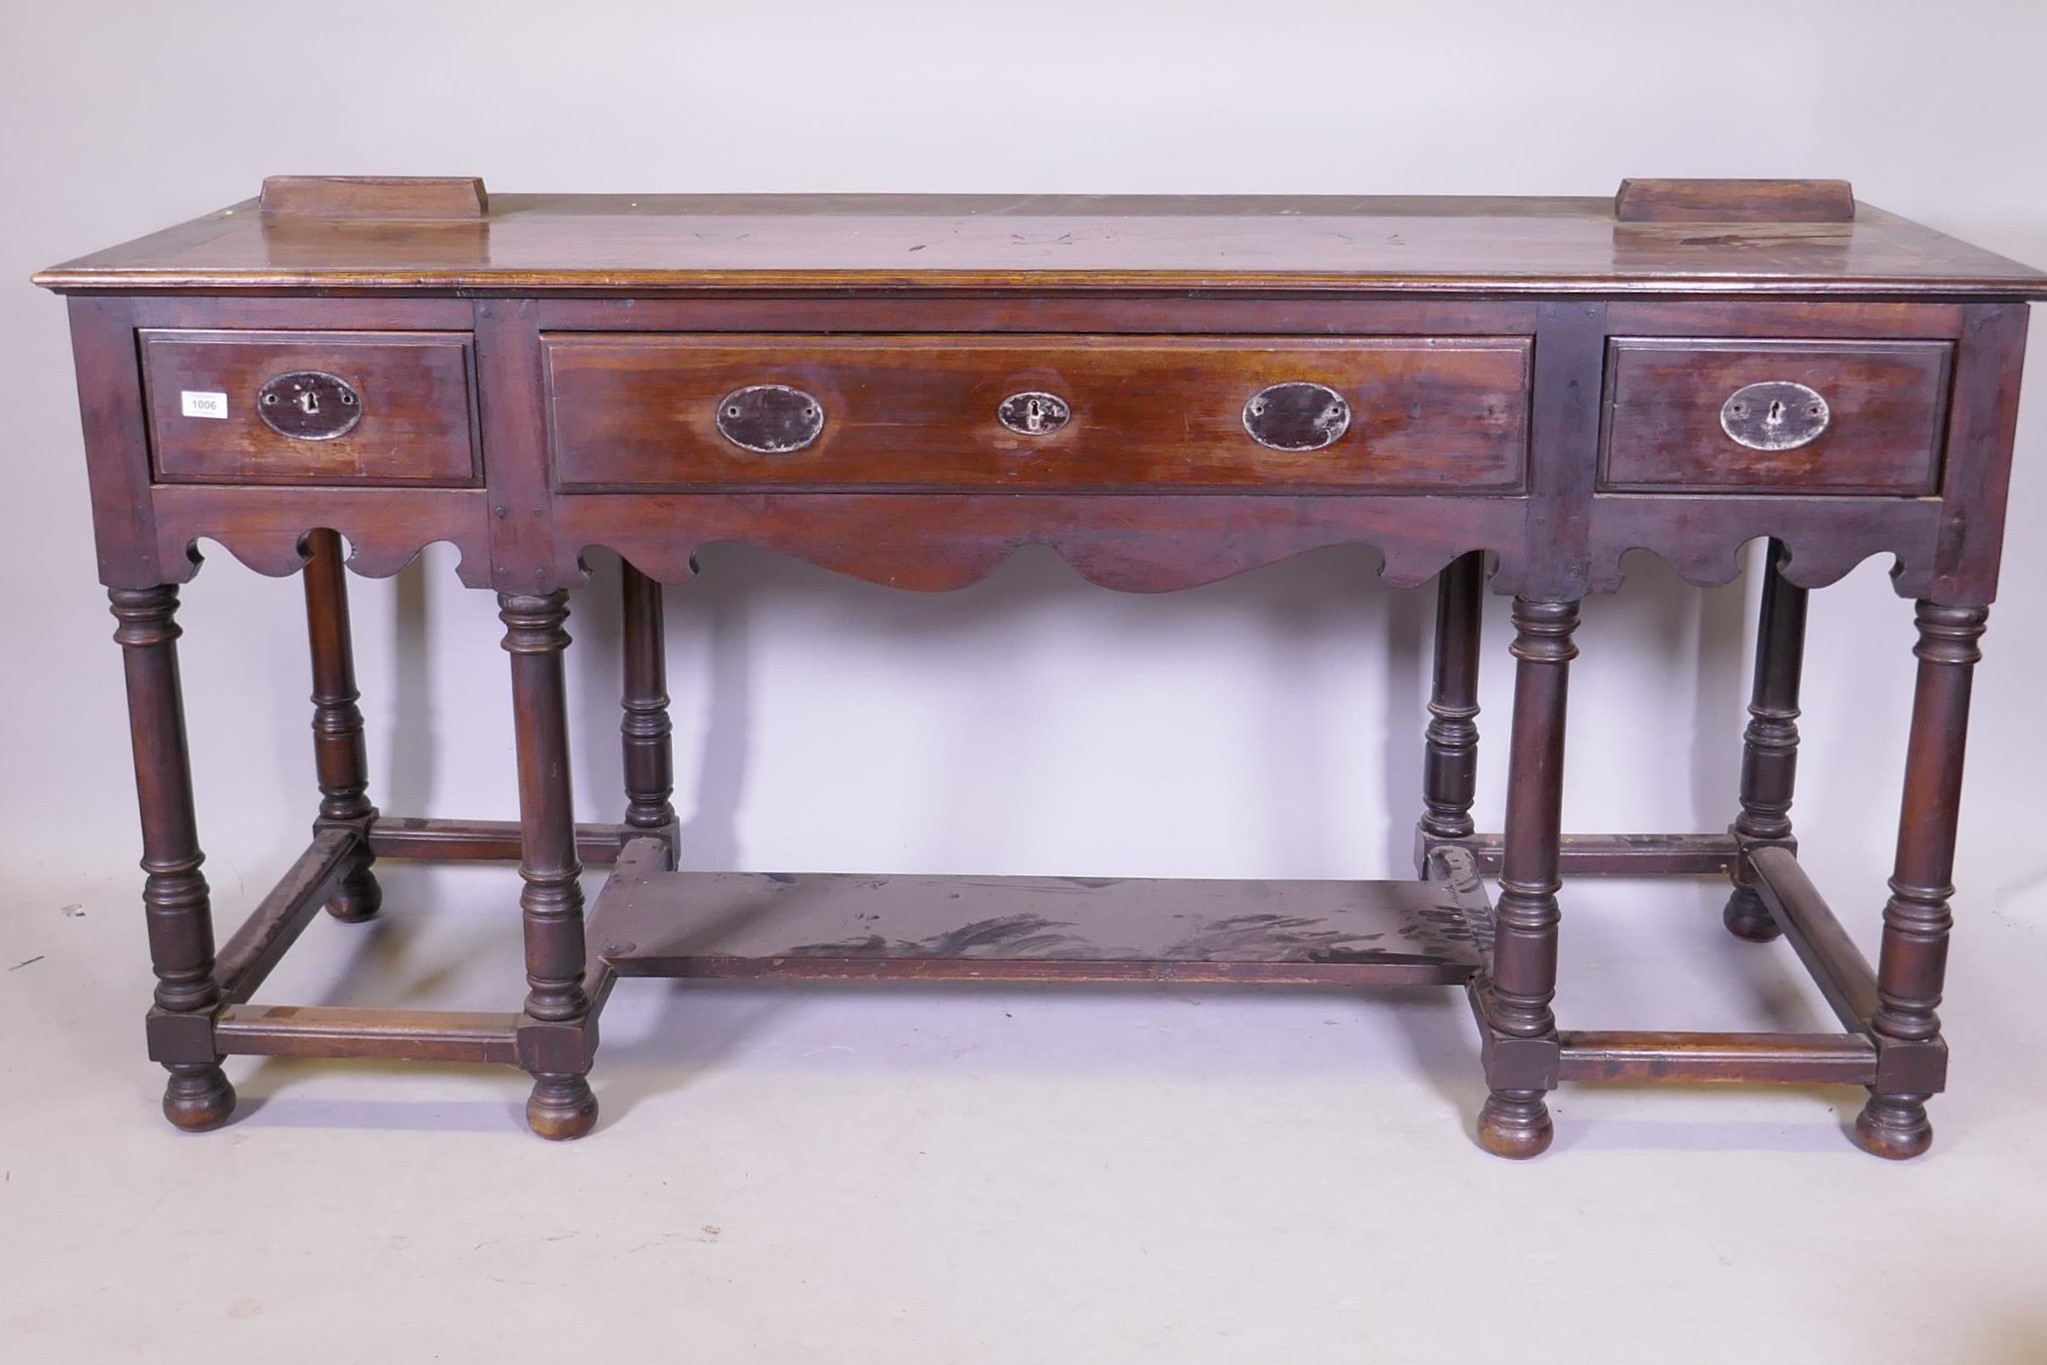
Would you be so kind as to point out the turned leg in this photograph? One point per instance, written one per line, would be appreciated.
(1769, 755)
(1913, 958)
(1450, 767)
(174, 895)
(561, 1105)
(645, 728)
(340, 757)
(1515, 1122)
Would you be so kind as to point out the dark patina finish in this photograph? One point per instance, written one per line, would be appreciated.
(1297, 415)
(1498, 395)
(1033, 414)
(769, 419)
(309, 405)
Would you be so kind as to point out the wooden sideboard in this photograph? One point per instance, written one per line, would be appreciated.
(1496, 394)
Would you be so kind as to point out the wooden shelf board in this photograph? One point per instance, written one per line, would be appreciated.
(653, 922)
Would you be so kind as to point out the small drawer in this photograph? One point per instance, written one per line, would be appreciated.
(1765, 416)
(661, 411)
(310, 407)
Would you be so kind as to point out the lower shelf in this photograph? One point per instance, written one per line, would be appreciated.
(650, 921)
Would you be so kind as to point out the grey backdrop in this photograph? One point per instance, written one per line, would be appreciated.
(1031, 724)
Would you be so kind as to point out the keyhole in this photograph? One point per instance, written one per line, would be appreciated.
(309, 402)
(1776, 414)
(1034, 415)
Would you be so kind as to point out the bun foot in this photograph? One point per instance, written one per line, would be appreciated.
(198, 1098)
(1894, 1127)
(1515, 1125)
(1746, 917)
(359, 899)
(561, 1107)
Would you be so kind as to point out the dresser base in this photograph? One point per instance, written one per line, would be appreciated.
(1507, 396)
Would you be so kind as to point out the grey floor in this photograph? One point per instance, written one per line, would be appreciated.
(919, 1174)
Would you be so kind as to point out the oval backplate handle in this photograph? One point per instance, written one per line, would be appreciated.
(770, 419)
(1776, 414)
(309, 405)
(1297, 415)
(1034, 413)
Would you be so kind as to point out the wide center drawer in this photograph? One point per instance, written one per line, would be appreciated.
(662, 411)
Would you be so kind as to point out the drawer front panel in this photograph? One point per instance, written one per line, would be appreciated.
(1056, 413)
(1774, 415)
(310, 407)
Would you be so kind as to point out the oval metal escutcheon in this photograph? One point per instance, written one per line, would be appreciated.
(1776, 414)
(1297, 415)
(770, 419)
(309, 405)
(1034, 413)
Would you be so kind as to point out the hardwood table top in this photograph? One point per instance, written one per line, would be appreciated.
(645, 244)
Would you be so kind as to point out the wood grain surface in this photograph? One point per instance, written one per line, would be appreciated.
(1734, 201)
(633, 411)
(414, 388)
(1887, 402)
(649, 244)
(731, 924)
